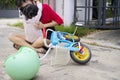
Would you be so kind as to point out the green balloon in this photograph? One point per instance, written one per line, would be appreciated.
(22, 65)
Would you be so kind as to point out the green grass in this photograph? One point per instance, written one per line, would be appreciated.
(18, 24)
(81, 31)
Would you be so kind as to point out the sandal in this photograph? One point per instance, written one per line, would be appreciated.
(41, 51)
(16, 46)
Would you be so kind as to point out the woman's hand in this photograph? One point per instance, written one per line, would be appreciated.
(39, 25)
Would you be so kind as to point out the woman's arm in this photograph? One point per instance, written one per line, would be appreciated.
(40, 25)
(50, 24)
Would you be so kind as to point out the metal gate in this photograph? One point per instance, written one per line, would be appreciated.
(98, 13)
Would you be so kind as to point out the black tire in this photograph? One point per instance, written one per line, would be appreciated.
(77, 57)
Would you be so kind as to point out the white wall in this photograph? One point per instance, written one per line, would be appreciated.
(65, 8)
(68, 12)
(60, 8)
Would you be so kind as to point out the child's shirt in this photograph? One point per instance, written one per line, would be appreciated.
(31, 33)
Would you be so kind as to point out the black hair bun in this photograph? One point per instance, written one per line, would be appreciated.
(30, 11)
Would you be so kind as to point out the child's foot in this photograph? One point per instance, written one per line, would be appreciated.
(40, 51)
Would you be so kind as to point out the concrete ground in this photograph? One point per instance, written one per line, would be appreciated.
(104, 64)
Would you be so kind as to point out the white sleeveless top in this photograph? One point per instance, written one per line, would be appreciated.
(31, 33)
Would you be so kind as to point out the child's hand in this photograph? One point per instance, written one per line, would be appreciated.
(39, 25)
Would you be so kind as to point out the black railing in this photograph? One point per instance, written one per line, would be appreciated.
(98, 13)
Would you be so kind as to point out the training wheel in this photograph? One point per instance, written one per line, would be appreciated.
(71, 37)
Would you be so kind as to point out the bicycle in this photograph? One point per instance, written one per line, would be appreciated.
(79, 52)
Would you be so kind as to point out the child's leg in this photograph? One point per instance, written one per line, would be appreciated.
(40, 44)
(19, 40)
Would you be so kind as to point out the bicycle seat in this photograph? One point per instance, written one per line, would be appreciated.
(79, 24)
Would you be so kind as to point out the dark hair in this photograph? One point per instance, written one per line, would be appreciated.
(29, 10)
(18, 3)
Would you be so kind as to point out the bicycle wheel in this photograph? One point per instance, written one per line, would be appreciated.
(81, 58)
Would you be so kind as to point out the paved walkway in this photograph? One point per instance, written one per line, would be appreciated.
(104, 65)
(107, 38)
